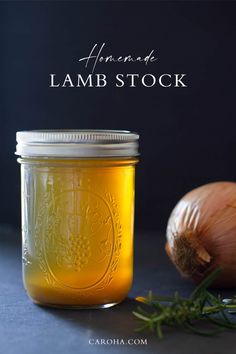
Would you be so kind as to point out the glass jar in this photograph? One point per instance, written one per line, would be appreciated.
(77, 190)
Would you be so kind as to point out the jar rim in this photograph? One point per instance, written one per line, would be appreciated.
(77, 143)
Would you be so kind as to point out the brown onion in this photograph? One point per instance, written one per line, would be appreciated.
(201, 233)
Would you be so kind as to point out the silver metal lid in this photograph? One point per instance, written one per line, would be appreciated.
(77, 143)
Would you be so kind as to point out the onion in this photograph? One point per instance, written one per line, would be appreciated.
(201, 233)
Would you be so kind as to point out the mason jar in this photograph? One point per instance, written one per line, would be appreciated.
(77, 192)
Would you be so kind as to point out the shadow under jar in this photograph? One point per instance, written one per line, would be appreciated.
(77, 191)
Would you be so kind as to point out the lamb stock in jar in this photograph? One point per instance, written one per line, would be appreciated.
(77, 192)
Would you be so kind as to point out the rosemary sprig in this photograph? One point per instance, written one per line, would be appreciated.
(187, 313)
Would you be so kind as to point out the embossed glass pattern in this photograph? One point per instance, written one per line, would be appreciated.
(77, 230)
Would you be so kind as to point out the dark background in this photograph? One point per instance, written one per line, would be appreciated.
(188, 135)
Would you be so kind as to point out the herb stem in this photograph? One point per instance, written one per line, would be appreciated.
(187, 313)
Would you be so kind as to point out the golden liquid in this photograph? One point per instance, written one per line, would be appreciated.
(77, 222)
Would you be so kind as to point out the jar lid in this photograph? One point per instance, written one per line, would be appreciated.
(77, 143)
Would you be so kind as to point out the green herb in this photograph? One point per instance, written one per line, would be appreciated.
(188, 313)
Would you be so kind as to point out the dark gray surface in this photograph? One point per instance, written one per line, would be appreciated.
(30, 329)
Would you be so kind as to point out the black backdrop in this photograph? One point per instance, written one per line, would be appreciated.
(188, 135)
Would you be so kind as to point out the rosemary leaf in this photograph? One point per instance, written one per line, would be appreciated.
(202, 333)
(140, 316)
(205, 283)
(222, 323)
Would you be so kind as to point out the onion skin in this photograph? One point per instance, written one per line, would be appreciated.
(201, 233)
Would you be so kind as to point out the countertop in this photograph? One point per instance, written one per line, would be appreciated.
(31, 329)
